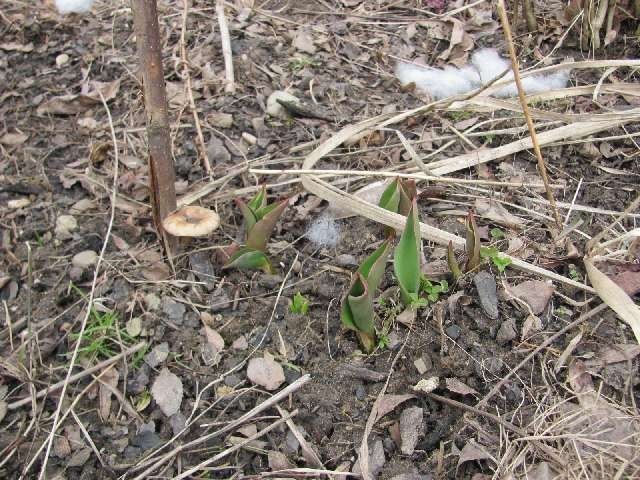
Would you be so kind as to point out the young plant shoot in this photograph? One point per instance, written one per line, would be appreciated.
(357, 307)
(260, 219)
(472, 249)
(475, 252)
(397, 196)
(406, 260)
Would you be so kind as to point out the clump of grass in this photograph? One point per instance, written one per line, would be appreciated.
(103, 338)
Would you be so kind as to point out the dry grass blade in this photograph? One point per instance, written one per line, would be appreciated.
(615, 297)
(525, 108)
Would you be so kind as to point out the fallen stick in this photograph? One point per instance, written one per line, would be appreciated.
(79, 375)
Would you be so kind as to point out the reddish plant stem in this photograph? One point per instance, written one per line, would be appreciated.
(161, 171)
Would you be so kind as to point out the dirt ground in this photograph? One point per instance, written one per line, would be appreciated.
(568, 411)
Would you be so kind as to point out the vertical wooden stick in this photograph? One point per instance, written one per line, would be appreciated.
(525, 110)
(225, 40)
(162, 176)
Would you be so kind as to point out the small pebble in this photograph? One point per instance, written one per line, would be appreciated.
(62, 59)
(84, 259)
(453, 331)
(361, 392)
(487, 292)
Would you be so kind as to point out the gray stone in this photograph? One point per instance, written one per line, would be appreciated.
(361, 392)
(273, 106)
(376, 459)
(146, 440)
(158, 355)
(506, 332)
(269, 281)
(177, 422)
(453, 331)
(487, 292)
(217, 152)
(175, 311)
(411, 429)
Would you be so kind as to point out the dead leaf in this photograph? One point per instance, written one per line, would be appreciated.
(535, 293)
(629, 281)
(531, 324)
(167, 392)
(13, 139)
(110, 378)
(16, 47)
(456, 386)
(265, 372)
(303, 42)
(496, 212)
(74, 104)
(473, 451)
(389, 402)
(460, 43)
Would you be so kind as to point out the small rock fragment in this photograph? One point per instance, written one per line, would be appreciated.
(167, 392)
(158, 355)
(506, 332)
(217, 152)
(420, 365)
(240, 343)
(453, 331)
(427, 385)
(175, 311)
(487, 292)
(304, 42)
(346, 260)
(220, 120)
(356, 371)
(265, 372)
(146, 440)
(411, 429)
(65, 225)
(177, 422)
(275, 109)
(84, 259)
(62, 59)
(278, 461)
(79, 458)
(18, 203)
(376, 459)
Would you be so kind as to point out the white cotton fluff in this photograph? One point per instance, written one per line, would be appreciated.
(486, 65)
(324, 232)
(439, 83)
(73, 6)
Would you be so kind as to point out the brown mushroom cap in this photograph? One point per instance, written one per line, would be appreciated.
(191, 221)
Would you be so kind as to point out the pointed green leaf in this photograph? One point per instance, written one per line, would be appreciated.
(262, 211)
(258, 236)
(361, 306)
(259, 200)
(372, 269)
(406, 258)
(454, 266)
(248, 215)
(391, 197)
(249, 259)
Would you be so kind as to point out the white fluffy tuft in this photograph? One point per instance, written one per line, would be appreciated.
(438, 83)
(324, 232)
(486, 64)
(74, 6)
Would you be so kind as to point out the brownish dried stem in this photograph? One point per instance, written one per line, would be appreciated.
(162, 176)
(530, 15)
(525, 110)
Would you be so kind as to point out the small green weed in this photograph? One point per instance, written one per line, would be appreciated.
(299, 304)
(298, 63)
(496, 233)
(433, 290)
(492, 253)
